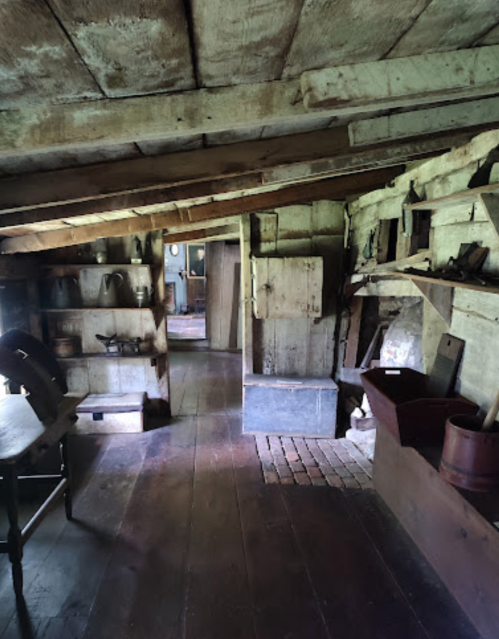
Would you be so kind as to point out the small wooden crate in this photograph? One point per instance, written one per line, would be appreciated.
(111, 413)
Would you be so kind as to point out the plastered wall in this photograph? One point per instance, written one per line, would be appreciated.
(475, 315)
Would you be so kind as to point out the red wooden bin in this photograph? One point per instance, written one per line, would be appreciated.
(400, 400)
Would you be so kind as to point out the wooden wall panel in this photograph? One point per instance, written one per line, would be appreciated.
(223, 269)
(131, 48)
(305, 346)
(287, 287)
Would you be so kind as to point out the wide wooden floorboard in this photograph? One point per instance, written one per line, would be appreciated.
(278, 575)
(359, 597)
(144, 582)
(217, 601)
(439, 613)
(205, 383)
(178, 537)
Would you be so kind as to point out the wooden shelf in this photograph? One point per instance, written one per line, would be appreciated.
(48, 267)
(420, 259)
(453, 284)
(152, 355)
(97, 308)
(470, 196)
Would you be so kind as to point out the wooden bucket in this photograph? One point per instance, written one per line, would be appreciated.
(470, 457)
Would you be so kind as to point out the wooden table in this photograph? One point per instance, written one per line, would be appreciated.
(23, 440)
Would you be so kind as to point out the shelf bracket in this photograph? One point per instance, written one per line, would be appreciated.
(490, 203)
(440, 297)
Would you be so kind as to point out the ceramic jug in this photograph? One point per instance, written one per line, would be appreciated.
(136, 251)
(108, 292)
(63, 293)
(99, 251)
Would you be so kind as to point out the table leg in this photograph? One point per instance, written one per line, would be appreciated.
(14, 538)
(66, 473)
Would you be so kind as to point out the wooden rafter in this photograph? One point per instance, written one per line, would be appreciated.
(224, 232)
(333, 188)
(133, 200)
(133, 184)
(128, 176)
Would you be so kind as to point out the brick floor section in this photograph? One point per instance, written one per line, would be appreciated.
(315, 462)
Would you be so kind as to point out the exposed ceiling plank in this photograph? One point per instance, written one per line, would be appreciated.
(260, 32)
(37, 62)
(404, 82)
(153, 117)
(229, 231)
(334, 188)
(491, 37)
(111, 178)
(133, 200)
(333, 32)
(35, 163)
(476, 113)
(448, 25)
(367, 158)
(136, 49)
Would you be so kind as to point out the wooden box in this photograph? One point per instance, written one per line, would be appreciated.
(111, 413)
(400, 399)
(289, 405)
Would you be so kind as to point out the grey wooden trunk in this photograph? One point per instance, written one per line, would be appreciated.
(290, 405)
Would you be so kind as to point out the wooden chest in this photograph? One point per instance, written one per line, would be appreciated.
(111, 413)
(290, 405)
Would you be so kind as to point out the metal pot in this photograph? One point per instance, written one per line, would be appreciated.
(64, 346)
(470, 457)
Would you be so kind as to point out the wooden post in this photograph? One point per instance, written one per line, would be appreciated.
(247, 295)
(353, 333)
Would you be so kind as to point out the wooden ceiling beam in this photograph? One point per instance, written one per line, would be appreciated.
(342, 91)
(334, 188)
(152, 117)
(474, 115)
(128, 176)
(228, 231)
(73, 183)
(404, 82)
